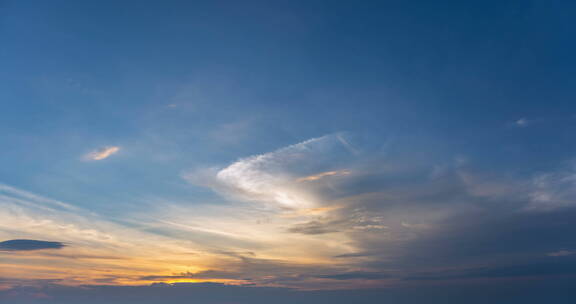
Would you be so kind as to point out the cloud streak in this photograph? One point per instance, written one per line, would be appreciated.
(102, 153)
(322, 175)
(29, 245)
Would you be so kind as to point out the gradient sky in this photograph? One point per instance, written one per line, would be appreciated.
(302, 151)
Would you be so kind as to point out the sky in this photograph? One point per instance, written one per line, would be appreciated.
(287, 151)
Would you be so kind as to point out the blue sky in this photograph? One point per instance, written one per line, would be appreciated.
(289, 144)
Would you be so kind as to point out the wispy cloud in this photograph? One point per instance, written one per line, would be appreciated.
(271, 178)
(97, 248)
(553, 190)
(208, 242)
(561, 253)
(322, 175)
(102, 153)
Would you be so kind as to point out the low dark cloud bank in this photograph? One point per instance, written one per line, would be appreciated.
(28, 245)
(527, 292)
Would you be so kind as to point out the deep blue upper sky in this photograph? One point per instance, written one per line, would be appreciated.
(76, 74)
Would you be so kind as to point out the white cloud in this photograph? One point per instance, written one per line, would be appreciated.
(272, 177)
(102, 153)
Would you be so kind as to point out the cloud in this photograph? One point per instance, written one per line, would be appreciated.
(207, 274)
(561, 253)
(358, 275)
(27, 245)
(102, 153)
(553, 190)
(558, 290)
(389, 215)
(315, 227)
(535, 269)
(522, 122)
(270, 178)
(331, 229)
(348, 221)
(322, 175)
(114, 252)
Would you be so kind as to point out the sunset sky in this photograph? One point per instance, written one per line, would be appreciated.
(287, 151)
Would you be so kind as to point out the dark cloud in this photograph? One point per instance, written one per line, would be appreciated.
(559, 291)
(354, 255)
(539, 269)
(28, 245)
(363, 275)
(411, 213)
(315, 227)
(403, 226)
(208, 274)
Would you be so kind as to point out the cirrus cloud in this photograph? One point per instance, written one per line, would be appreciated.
(275, 177)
